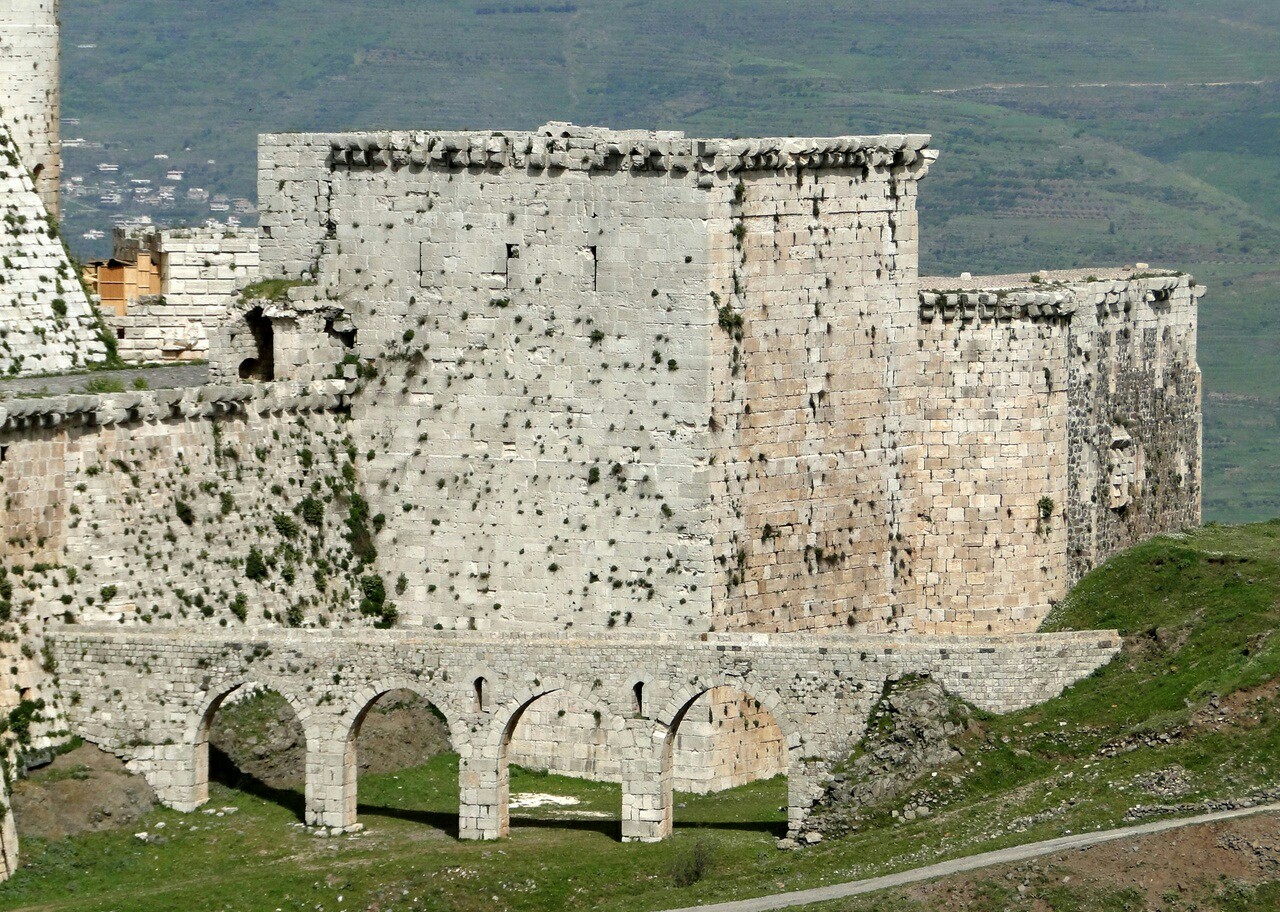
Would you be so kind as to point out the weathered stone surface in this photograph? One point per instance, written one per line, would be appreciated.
(46, 323)
(30, 90)
(151, 697)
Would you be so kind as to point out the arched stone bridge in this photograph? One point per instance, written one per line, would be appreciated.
(150, 696)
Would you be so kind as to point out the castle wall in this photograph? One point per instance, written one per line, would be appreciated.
(145, 508)
(508, 312)
(1136, 422)
(30, 68)
(46, 322)
(1060, 423)
(993, 471)
(537, 418)
(812, 399)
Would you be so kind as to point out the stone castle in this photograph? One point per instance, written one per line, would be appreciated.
(655, 454)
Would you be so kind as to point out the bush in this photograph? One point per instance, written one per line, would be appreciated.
(312, 511)
(184, 512)
(285, 525)
(692, 865)
(104, 385)
(255, 568)
(108, 593)
(240, 606)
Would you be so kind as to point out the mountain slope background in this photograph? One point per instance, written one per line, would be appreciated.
(1073, 132)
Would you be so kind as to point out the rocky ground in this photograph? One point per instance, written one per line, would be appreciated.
(83, 791)
(913, 728)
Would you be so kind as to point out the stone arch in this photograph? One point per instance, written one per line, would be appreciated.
(196, 738)
(508, 715)
(338, 809)
(677, 708)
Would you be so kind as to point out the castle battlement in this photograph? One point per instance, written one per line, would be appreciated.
(560, 146)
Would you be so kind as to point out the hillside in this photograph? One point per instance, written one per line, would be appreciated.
(1184, 719)
(1077, 133)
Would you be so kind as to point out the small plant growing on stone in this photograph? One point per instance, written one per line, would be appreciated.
(312, 511)
(255, 568)
(183, 511)
(285, 525)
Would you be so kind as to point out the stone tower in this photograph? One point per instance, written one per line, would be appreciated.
(29, 89)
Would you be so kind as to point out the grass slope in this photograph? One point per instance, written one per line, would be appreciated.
(1191, 700)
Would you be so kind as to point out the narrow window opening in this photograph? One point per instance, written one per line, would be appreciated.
(4, 453)
(595, 268)
(481, 696)
(120, 332)
(513, 253)
(638, 690)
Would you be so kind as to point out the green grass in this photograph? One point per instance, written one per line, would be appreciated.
(1199, 613)
(271, 289)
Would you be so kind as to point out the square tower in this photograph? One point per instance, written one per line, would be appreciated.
(622, 379)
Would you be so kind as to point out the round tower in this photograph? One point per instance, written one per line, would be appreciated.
(30, 99)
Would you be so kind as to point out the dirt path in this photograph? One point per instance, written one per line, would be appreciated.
(970, 863)
(1000, 86)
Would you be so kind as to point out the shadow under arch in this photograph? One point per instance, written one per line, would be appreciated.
(676, 712)
(351, 723)
(201, 765)
(513, 711)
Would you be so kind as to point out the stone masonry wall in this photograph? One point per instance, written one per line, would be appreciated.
(1136, 420)
(30, 90)
(993, 470)
(46, 322)
(1061, 423)
(150, 697)
(148, 508)
(201, 271)
(508, 311)
(812, 398)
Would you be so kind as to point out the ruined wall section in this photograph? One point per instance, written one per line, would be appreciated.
(201, 271)
(220, 506)
(46, 322)
(1136, 418)
(813, 395)
(30, 90)
(992, 477)
(1060, 424)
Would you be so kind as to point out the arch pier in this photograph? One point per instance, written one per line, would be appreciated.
(149, 696)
